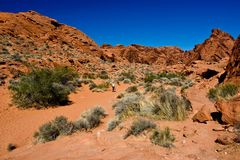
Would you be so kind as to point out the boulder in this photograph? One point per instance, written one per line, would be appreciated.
(230, 110)
(203, 115)
(225, 140)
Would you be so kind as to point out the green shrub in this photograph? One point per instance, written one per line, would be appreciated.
(127, 81)
(162, 138)
(92, 85)
(224, 91)
(128, 105)
(11, 147)
(44, 87)
(88, 76)
(132, 89)
(170, 75)
(100, 87)
(127, 75)
(51, 130)
(113, 124)
(149, 77)
(90, 119)
(167, 105)
(60, 126)
(138, 126)
(103, 75)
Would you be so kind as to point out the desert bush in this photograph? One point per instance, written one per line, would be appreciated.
(138, 126)
(127, 81)
(60, 126)
(103, 75)
(127, 75)
(128, 105)
(90, 119)
(92, 85)
(224, 91)
(149, 87)
(131, 89)
(163, 104)
(100, 87)
(112, 124)
(149, 77)
(167, 105)
(170, 75)
(171, 78)
(162, 138)
(44, 87)
(121, 95)
(88, 75)
(51, 130)
(11, 147)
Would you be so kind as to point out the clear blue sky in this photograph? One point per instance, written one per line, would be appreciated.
(182, 23)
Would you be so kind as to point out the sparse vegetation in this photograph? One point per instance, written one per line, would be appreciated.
(112, 124)
(90, 119)
(162, 138)
(138, 126)
(99, 87)
(103, 75)
(11, 147)
(163, 104)
(132, 89)
(60, 126)
(89, 75)
(51, 130)
(127, 76)
(128, 105)
(167, 105)
(44, 87)
(224, 91)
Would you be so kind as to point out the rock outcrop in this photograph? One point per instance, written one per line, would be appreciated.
(218, 46)
(230, 110)
(233, 68)
(29, 38)
(145, 55)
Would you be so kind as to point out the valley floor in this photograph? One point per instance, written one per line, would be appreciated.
(194, 141)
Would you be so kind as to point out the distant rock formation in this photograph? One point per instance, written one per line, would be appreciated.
(145, 55)
(218, 46)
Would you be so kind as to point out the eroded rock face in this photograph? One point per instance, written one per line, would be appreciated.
(203, 115)
(233, 67)
(218, 46)
(145, 55)
(29, 37)
(230, 110)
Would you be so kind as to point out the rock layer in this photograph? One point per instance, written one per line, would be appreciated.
(233, 67)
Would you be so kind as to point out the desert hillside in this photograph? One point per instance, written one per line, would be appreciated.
(62, 96)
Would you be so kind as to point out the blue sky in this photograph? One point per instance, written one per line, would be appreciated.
(147, 22)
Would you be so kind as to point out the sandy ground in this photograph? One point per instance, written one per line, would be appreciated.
(18, 126)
